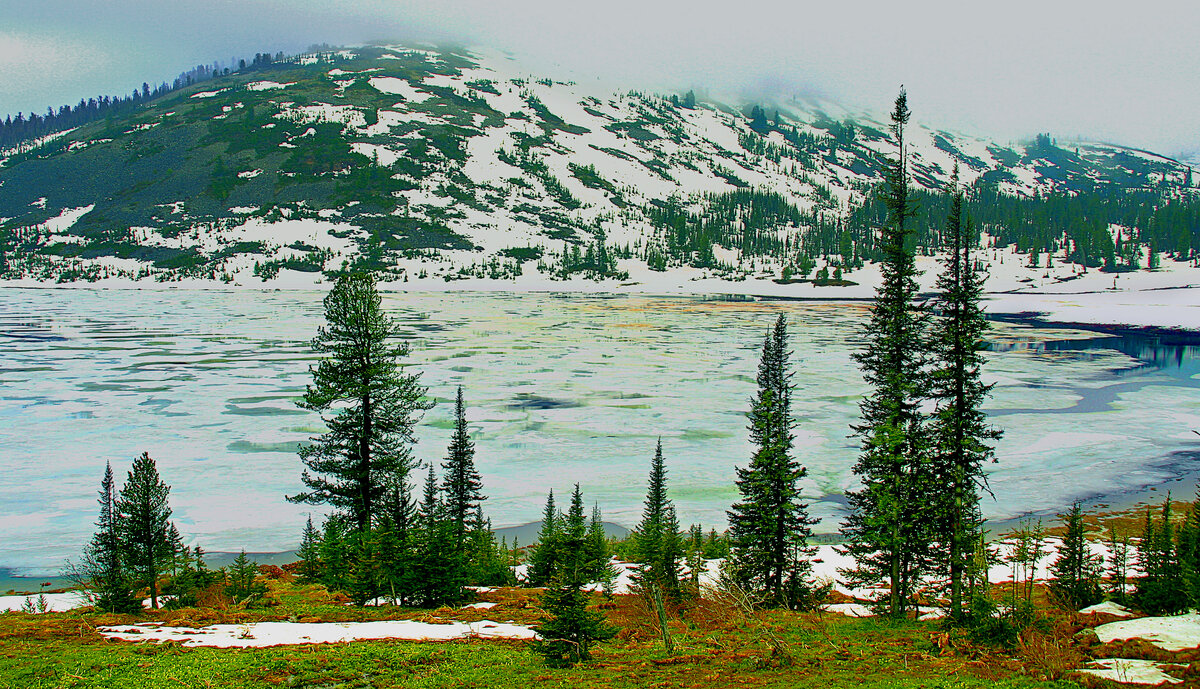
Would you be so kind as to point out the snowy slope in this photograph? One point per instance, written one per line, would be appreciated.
(485, 173)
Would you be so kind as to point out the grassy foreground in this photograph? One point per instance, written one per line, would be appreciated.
(717, 647)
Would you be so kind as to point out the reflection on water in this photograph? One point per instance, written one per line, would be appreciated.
(560, 388)
(1149, 360)
(1181, 360)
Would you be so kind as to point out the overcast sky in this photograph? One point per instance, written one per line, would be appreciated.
(1123, 72)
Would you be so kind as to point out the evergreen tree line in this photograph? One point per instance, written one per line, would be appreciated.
(1075, 228)
(18, 128)
(1168, 555)
(1163, 222)
(596, 261)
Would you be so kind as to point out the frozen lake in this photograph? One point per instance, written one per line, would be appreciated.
(560, 389)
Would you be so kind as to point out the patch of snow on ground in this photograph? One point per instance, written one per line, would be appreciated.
(399, 87)
(249, 174)
(1108, 608)
(68, 217)
(482, 605)
(267, 85)
(55, 602)
(324, 112)
(1129, 671)
(208, 94)
(850, 609)
(1168, 633)
(386, 156)
(261, 634)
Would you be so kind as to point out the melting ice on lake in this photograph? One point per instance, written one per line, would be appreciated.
(560, 389)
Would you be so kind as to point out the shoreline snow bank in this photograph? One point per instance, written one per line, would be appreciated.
(262, 634)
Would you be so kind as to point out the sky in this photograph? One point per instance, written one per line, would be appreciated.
(1125, 73)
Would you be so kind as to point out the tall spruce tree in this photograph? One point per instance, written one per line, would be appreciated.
(103, 572)
(959, 427)
(769, 528)
(570, 629)
(890, 528)
(144, 524)
(1188, 550)
(656, 539)
(367, 449)
(461, 483)
(1076, 571)
(1161, 589)
(440, 573)
(544, 560)
(599, 554)
(309, 554)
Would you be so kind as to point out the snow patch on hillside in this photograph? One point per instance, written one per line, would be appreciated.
(267, 85)
(399, 87)
(66, 219)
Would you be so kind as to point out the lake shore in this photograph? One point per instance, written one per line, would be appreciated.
(1165, 299)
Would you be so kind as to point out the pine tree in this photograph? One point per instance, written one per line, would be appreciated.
(103, 572)
(959, 427)
(461, 484)
(694, 557)
(570, 628)
(770, 527)
(1076, 572)
(399, 542)
(1188, 549)
(574, 525)
(440, 574)
(367, 449)
(1118, 565)
(599, 554)
(890, 527)
(144, 525)
(192, 580)
(488, 563)
(242, 586)
(309, 554)
(1161, 589)
(544, 560)
(335, 554)
(656, 539)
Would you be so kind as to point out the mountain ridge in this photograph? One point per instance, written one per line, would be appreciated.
(421, 163)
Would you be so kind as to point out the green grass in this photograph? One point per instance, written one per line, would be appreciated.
(863, 657)
(717, 647)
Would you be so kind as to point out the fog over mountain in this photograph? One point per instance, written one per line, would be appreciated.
(1109, 71)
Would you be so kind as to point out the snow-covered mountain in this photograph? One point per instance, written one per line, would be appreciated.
(450, 164)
